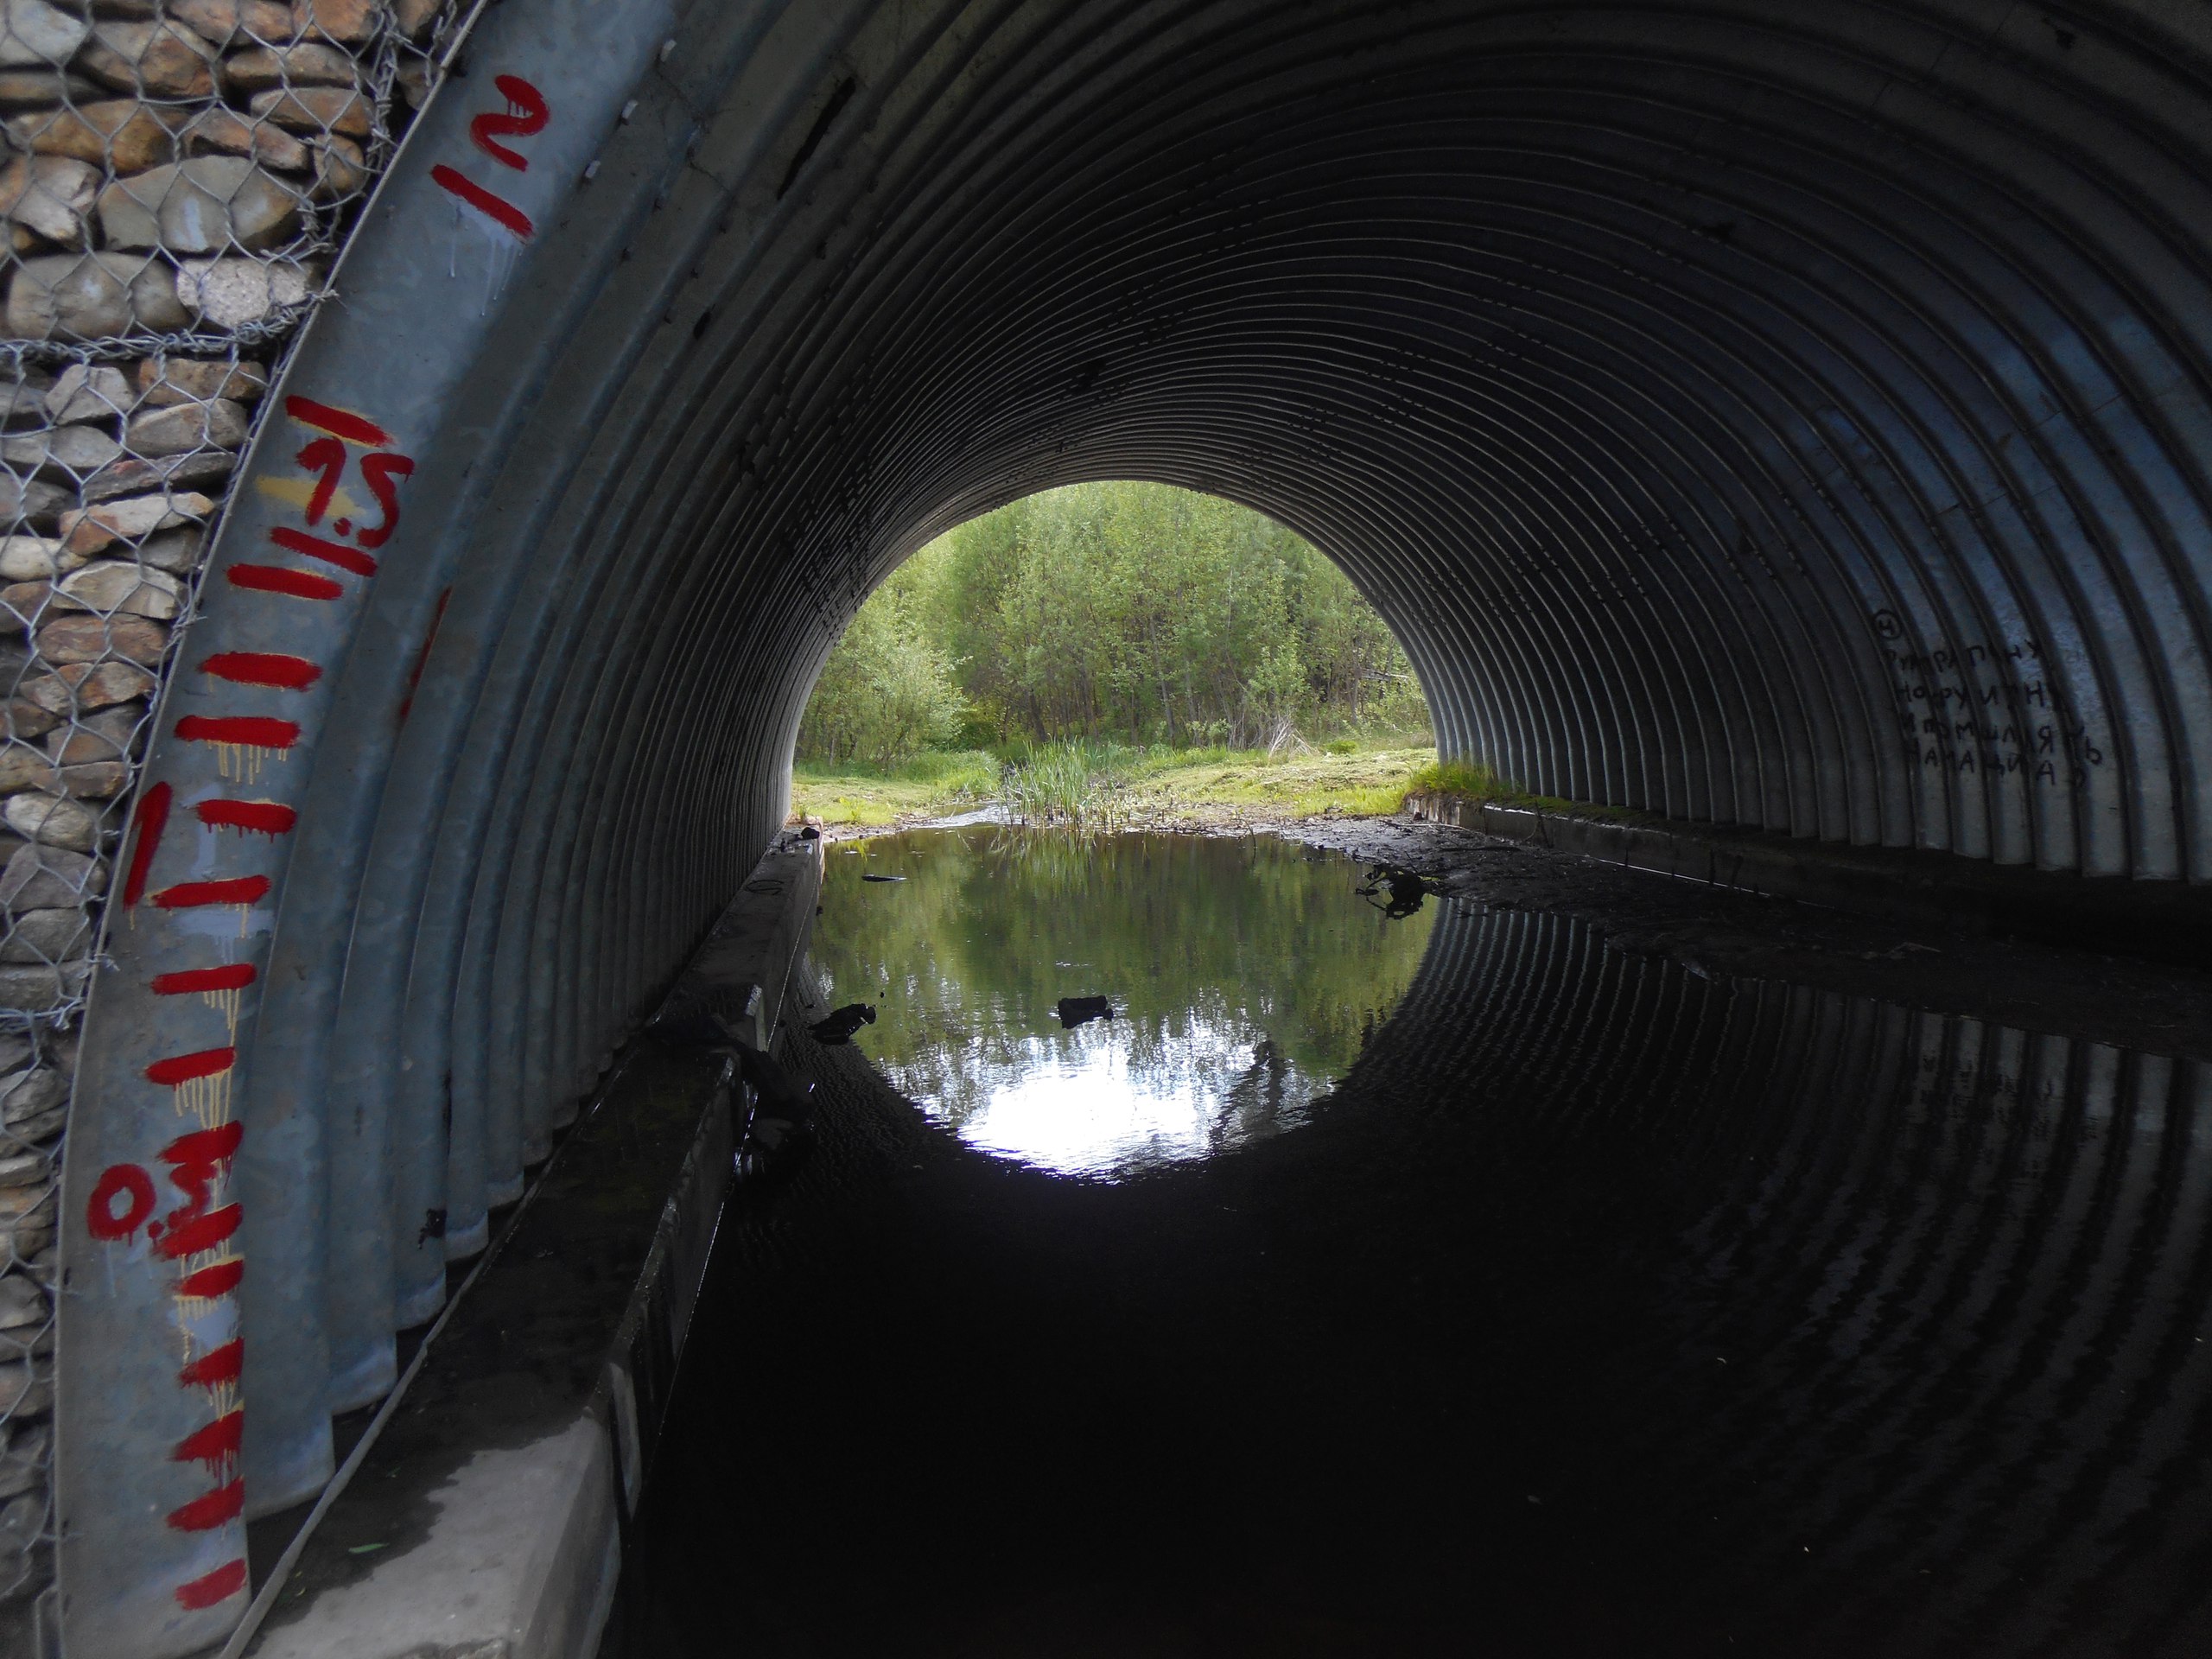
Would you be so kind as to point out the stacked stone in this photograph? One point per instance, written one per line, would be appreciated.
(177, 173)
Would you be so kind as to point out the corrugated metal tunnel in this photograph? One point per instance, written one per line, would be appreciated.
(1793, 417)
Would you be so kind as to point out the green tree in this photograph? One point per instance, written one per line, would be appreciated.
(1118, 610)
(886, 691)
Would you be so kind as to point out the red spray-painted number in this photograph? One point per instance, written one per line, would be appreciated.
(382, 473)
(194, 1160)
(129, 1183)
(526, 114)
(326, 457)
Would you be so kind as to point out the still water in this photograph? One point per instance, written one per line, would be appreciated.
(1244, 975)
(1596, 1307)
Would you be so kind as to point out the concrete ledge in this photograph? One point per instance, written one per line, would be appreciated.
(485, 1520)
(2165, 921)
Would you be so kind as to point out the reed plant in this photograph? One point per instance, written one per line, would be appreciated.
(1082, 786)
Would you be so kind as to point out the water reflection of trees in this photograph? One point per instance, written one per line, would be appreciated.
(1246, 968)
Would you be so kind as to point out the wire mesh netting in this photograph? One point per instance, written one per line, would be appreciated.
(178, 175)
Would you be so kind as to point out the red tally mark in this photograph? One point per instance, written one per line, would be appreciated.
(215, 1444)
(147, 823)
(231, 976)
(211, 1588)
(226, 1503)
(254, 818)
(330, 552)
(497, 208)
(285, 673)
(186, 1068)
(422, 656)
(220, 1280)
(526, 113)
(215, 1367)
(339, 422)
(233, 890)
(277, 579)
(242, 731)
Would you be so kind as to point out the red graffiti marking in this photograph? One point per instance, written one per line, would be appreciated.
(285, 673)
(204, 1513)
(494, 207)
(194, 1160)
(204, 1234)
(247, 731)
(220, 1280)
(190, 895)
(233, 976)
(298, 540)
(225, 1581)
(527, 114)
(380, 471)
(188, 1068)
(422, 656)
(276, 578)
(256, 817)
(147, 823)
(326, 456)
(125, 1181)
(352, 427)
(215, 1444)
(215, 1367)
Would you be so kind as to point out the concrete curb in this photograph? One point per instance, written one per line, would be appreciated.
(2166, 921)
(488, 1521)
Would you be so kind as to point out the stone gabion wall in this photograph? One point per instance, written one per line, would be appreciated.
(178, 174)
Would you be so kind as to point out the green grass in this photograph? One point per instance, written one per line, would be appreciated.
(1108, 784)
(1103, 785)
(931, 785)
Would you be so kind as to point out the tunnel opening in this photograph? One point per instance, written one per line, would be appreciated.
(1112, 651)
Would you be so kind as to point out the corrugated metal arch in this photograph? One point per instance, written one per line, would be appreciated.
(1785, 416)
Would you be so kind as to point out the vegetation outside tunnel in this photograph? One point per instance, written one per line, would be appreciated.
(1133, 635)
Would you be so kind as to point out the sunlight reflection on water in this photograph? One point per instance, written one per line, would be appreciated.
(1245, 976)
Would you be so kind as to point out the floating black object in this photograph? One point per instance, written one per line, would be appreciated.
(1080, 1010)
(1407, 890)
(882, 878)
(842, 1023)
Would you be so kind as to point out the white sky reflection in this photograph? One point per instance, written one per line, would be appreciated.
(1246, 976)
(1111, 1096)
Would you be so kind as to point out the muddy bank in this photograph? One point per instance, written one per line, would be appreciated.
(1723, 934)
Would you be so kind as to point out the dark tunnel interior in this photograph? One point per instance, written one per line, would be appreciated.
(1606, 1308)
